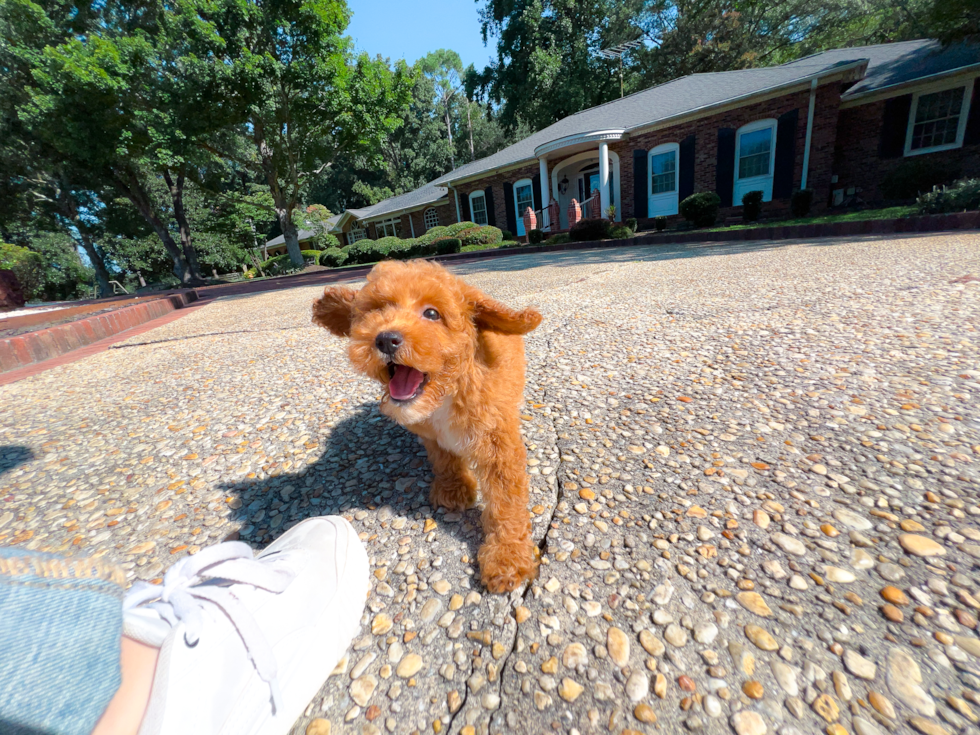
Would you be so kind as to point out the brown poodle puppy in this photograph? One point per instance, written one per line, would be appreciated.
(452, 361)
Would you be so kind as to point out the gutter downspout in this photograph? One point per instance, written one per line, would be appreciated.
(809, 133)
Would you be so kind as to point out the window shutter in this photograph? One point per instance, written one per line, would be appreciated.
(509, 207)
(640, 183)
(725, 166)
(894, 126)
(491, 214)
(464, 205)
(972, 135)
(686, 175)
(785, 166)
(536, 191)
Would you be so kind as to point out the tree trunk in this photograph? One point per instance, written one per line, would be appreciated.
(449, 132)
(469, 124)
(177, 198)
(281, 200)
(290, 234)
(101, 273)
(133, 190)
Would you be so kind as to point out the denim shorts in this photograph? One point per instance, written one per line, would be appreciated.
(60, 629)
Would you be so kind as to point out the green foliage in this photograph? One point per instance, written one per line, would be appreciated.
(449, 245)
(800, 202)
(620, 232)
(701, 208)
(485, 235)
(281, 265)
(660, 223)
(535, 236)
(751, 206)
(916, 176)
(510, 244)
(332, 257)
(560, 239)
(310, 256)
(961, 196)
(507, 234)
(587, 230)
(27, 265)
(455, 229)
(632, 224)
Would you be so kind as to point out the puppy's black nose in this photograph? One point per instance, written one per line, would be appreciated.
(388, 342)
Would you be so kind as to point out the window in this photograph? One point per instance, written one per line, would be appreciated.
(664, 173)
(430, 219)
(938, 120)
(355, 234)
(387, 227)
(478, 208)
(755, 154)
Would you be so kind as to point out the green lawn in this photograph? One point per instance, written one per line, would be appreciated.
(856, 216)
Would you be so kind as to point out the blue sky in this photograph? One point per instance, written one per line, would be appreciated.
(409, 29)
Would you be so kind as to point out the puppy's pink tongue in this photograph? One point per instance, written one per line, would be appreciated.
(404, 382)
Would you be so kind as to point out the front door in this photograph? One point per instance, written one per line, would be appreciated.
(524, 199)
(663, 182)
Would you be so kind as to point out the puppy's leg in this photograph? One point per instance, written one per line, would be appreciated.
(454, 487)
(507, 557)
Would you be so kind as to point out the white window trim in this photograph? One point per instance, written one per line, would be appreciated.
(356, 234)
(425, 217)
(961, 127)
(660, 150)
(479, 194)
(520, 214)
(391, 222)
(752, 127)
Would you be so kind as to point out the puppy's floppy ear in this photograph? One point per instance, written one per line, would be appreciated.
(335, 310)
(493, 316)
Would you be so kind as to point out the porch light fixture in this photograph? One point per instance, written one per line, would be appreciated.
(563, 186)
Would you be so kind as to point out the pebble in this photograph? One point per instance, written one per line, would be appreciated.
(570, 690)
(904, 677)
(785, 676)
(753, 690)
(644, 713)
(319, 726)
(927, 727)
(753, 602)
(575, 655)
(618, 646)
(826, 707)
(675, 635)
(761, 638)
(637, 686)
(881, 703)
(409, 666)
(712, 706)
(894, 595)
(920, 545)
(864, 727)
(747, 722)
(841, 576)
(362, 688)
(705, 633)
(852, 519)
(788, 544)
(859, 666)
(651, 644)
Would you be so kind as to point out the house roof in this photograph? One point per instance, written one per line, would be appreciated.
(886, 65)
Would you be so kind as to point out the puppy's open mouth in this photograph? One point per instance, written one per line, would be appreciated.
(405, 383)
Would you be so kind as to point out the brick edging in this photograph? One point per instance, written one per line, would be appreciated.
(31, 348)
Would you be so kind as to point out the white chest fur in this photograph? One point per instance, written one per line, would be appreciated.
(449, 434)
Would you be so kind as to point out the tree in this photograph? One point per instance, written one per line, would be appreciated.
(445, 69)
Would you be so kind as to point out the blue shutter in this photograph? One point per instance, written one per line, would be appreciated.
(464, 205)
(536, 191)
(972, 135)
(640, 183)
(686, 175)
(894, 126)
(491, 214)
(509, 207)
(725, 166)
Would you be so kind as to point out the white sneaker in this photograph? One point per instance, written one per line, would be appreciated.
(245, 643)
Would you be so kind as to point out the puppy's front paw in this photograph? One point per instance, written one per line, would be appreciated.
(505, 566)
(453, 493)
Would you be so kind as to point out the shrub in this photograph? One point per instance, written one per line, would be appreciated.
(325, 240)
(800, 202)
(917, 176)
(620, 232)
(310, 256)
(701, 208)
(453, 230)
(27, 265)
(751, 206)
(958, 197)
(660, 223)
(535, 236)
(591, 229)
(632, 224)
(448, 245)
(476, 235)
(368, 251)
(434, 233)
(507, 234)
(560, 239)
(279, 265)
(510, 244)
(332, 257)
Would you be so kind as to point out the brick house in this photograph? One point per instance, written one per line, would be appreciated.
(839, 123)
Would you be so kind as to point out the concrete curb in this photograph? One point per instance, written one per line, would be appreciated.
(34, 347)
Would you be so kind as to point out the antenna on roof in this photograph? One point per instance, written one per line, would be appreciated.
(616, 52)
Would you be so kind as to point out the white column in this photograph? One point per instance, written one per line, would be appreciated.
(411, 224)
(459, 217)
(603, 177)
(545, 191)
(809, 133)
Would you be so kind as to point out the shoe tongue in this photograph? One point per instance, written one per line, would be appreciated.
(143, 624)
(404, 382)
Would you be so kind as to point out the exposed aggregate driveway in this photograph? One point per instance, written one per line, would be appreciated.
(754, 475)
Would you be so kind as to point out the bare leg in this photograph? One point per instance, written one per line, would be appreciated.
(124, 714)
(454, 487)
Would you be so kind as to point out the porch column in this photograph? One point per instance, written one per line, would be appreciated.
(603, 177)
(545, 192)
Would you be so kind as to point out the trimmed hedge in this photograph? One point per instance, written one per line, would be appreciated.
(453, 230)
(448, 245)
(800, 202)
(487, 235)
(751, 206)
(701, 208)
(917, 176)
(507, 234)
(588, 230)
(660, 223)
(332, 257)
(962, 196)
(535, 236)
(279, 265)
(310, 255)
(560, 239)
(620, 232)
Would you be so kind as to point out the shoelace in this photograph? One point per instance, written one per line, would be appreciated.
(185, 592)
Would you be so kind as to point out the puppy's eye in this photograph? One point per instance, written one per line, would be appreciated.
(431, 314)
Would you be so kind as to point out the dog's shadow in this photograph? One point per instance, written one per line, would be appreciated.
(371, 469)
